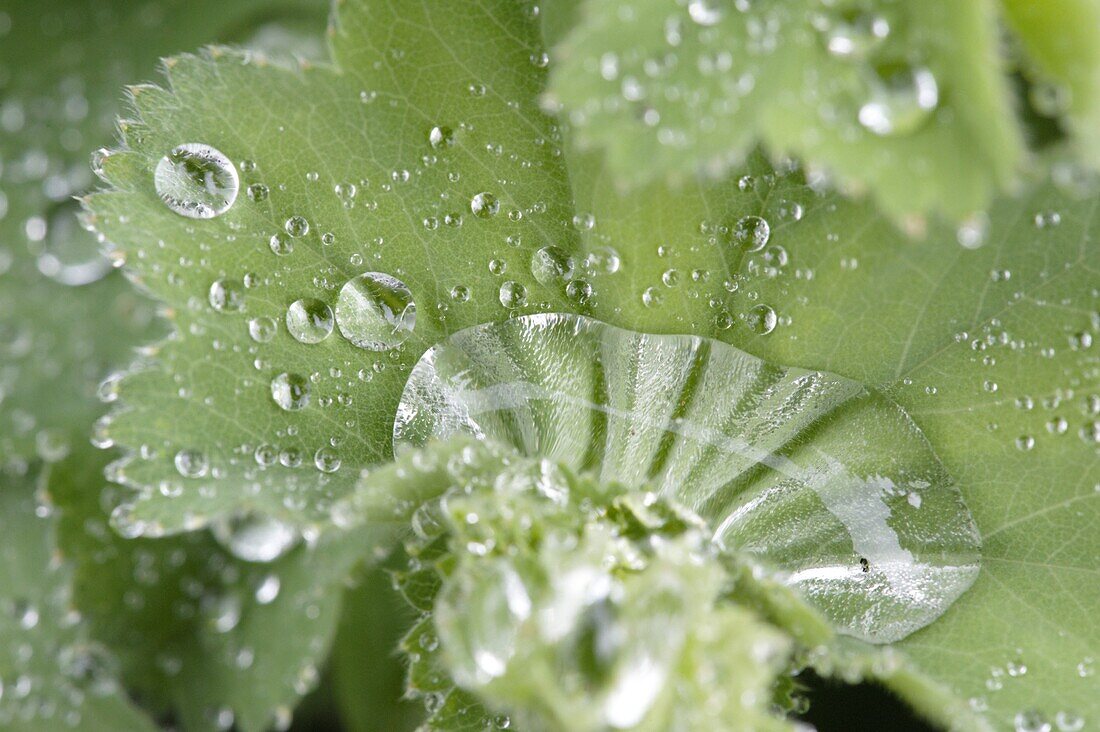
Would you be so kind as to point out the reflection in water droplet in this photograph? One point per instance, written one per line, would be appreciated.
(484, 205)
(513, 294)
(262, 330)
(290, 391)
(191, 463)
(738, 440)
(375, 311)
(196, 181)
(309, 320)
(254, 537)
(901, 98)
(441, 136)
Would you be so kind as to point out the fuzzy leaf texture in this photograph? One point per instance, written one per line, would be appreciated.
(958, 336)
(185, 625)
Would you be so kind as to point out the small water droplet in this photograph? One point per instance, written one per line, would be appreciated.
(705, 12)
(296, 226)
(309, 320)
(226, 295)
(513, 294)
(326, 460)
(191, 463)
(484, 205)
(551, 264)
(258, 192)
(441, 137)
(375, 311)
(196, 181)
(901, 98)
(263, 329)
(751, 233)
(290, 391)
(761, 319)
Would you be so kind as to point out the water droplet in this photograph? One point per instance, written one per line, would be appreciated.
(484, 205)
(460, 293)
(375, 311)
(853, 32)
(326, 460)
(1069, 721)
(1047, 219)
(551, 264)
(652, 297)
(751, 233)
(191, 463)
(290, 391)
(268, 589)
(902, 98)
(1025, 442)
(761, 319)
(262, 330)
(196, 181)
(309, 320)
(255, 537)
(440, 137)
(70, 255)
(513, 294)
(705, 12)
(258, 192)
(1031, 721)
(296, 226)
(226, 295)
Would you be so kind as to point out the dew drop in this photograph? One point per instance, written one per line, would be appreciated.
(513, 294)
(268, 590)
(296, 226)
(196, 181)
(255, 537)
(853, 33)
(375, 311)
(290, 391)
(761, 319)
(751, 233)
(258, 192)
(326, 460)
(226, 296)
(441, 137)
(551, 264)
(902, 98)
(705, 12)
(309, 320)
(484, 205)
(191, 463)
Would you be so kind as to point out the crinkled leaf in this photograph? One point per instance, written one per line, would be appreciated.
(905, 101)
(349, 150)
(52, 674)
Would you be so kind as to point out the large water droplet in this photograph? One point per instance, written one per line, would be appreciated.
(255, 537)
(375, 311)
(309, 320)
(290, 391)
(875, 533)
(902, 98)
(196, 181)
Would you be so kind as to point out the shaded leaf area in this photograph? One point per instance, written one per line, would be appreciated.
(52, 674)
(562, 603)
(904, 101)
(988, 347)
(438, 175)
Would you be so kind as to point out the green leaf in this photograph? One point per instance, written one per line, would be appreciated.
(349, 150)
(983, 347)
(52, 675)
(199, 632)
(909, 105)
